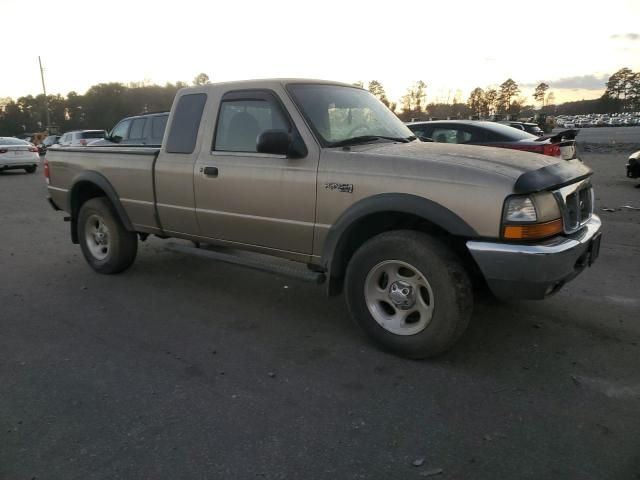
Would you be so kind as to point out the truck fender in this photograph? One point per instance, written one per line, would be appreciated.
(334, 250)
(93, 180)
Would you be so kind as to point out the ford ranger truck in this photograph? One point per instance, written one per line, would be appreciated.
(320, 179)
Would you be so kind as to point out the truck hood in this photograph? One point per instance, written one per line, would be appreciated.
(530, 171)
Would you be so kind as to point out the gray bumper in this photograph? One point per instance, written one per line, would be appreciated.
(534, 271)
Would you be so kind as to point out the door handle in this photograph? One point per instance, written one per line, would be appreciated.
(210, 171)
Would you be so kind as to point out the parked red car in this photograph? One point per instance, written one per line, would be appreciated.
(493, 134)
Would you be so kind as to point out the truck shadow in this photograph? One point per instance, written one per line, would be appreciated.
(524, 336)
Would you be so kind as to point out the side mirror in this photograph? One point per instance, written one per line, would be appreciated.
(115, 139)
(276, 142)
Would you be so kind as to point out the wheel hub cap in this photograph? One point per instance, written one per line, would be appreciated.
(402, 295)
(97, 236)
(399, 297)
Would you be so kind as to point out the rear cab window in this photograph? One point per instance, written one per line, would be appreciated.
(186, 123)
(98, 134)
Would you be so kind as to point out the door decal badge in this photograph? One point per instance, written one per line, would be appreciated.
(339, 187)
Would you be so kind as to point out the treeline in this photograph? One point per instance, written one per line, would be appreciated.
(622, 93)
(103, 105)
(481, 103)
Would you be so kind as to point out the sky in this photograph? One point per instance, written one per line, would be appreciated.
(452, 46)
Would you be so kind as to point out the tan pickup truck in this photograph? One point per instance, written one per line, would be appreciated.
(320, 180)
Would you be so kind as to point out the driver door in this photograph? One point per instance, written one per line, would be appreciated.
(253, 198)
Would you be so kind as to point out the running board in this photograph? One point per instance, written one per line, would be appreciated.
(255, 261)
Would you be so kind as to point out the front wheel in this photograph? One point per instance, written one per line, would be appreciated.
(106, 245)
(30, 169)
(409, 293)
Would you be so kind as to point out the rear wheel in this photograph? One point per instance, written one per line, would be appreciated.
(30, 169)
(106, 245)
(409, 293)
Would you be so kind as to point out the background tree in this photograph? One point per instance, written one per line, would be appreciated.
(491, 101)
(477, 102)
(201, 79)
(618, 83)
(540, 92)
(414, 101)
(376, 88)
(508, 90)
(624, 85)
(551, 99)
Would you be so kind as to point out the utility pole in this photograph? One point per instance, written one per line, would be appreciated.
(44, 89)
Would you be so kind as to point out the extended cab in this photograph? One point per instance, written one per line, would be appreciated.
(323, 175)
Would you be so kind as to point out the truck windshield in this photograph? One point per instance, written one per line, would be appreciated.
(337, 114)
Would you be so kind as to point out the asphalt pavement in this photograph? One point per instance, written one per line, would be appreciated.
(183, 368)
(607, 139)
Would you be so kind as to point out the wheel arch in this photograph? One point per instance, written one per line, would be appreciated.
(380, 213)
(88, 185)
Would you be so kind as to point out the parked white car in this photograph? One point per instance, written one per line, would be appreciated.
(16, 154)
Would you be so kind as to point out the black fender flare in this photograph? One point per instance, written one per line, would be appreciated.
(429, 210)
(103, 184)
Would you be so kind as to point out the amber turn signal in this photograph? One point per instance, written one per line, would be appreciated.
(533, 231)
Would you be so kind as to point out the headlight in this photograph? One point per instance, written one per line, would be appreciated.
(520, 209)
(531, 217)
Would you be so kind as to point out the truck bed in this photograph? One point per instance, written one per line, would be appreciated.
(129, 170)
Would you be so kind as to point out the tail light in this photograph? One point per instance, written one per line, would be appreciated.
(3, 150)
(33, 149)
(47, 172)
(83, 142)
(551, 149)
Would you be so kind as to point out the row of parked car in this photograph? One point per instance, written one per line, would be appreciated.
(21, 154)
(628, 119)
(147, 130)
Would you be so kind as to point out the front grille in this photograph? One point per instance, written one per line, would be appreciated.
(576, 202)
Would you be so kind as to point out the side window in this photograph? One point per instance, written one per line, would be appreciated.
(240, 122)
(489, 136)
(146, 134)
(137, 129)
(450, 135)
(121, 129)
(419, 131)
(185, 123)
(158, 125)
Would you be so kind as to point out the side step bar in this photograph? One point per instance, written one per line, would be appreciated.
(266, 265)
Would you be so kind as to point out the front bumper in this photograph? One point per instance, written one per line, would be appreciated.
(532, 272)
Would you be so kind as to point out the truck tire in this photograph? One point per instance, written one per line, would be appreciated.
(410, 293)
(106, 245)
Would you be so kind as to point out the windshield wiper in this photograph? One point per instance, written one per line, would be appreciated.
(368, 138)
